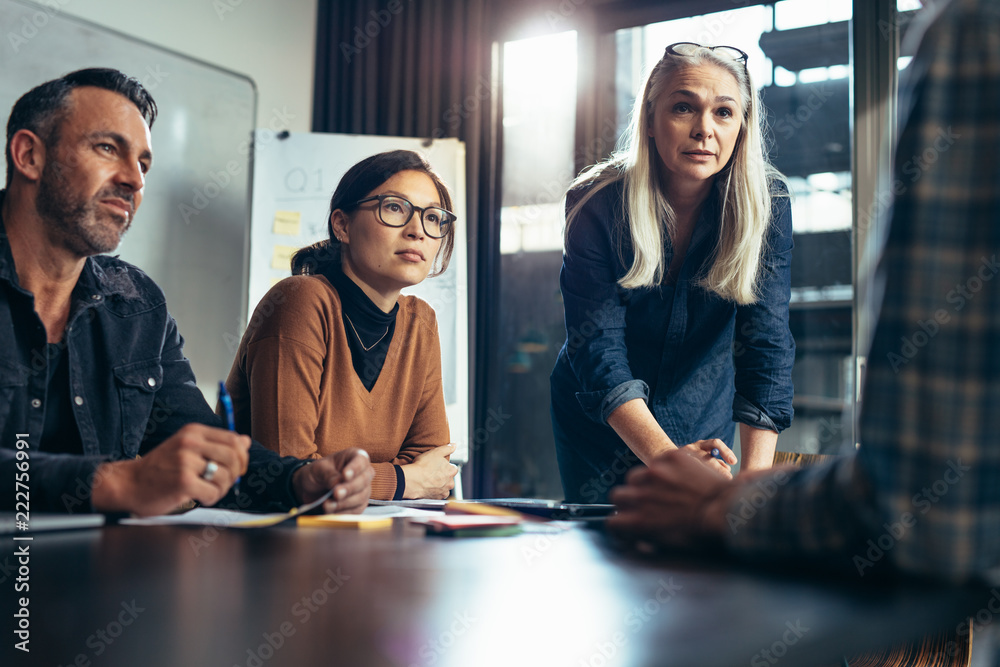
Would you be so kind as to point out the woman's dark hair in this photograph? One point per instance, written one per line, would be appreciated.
(43, 108)
(357, 184)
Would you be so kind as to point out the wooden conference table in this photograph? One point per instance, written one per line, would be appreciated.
(191, 596)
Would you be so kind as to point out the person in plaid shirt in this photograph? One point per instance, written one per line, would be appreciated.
(922, 492)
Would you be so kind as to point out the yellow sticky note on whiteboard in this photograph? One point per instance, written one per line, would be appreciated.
(275, 281)
(288, 223)
(282, 257)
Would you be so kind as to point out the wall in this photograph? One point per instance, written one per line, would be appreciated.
(271, 42)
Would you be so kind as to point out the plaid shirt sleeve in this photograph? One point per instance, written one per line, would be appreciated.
(922, 493)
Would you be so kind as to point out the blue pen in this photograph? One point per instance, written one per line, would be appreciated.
(227, 408)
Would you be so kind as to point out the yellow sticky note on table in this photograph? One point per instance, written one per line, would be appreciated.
(351, 521)
(288, 223)
(281, 258)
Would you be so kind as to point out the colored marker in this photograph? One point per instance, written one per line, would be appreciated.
(227, 408)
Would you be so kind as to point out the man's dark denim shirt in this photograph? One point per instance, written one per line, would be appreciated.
(699, 361)
(131, 385)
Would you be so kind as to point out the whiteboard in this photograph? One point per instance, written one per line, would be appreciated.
(295, 174)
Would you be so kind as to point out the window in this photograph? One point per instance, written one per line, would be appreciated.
(539, 130)
(539, 115)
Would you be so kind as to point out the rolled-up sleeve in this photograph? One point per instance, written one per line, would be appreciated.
(595, 313)
(598, 405)
(763, 349)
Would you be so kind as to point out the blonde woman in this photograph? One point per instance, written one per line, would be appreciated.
(676, 282)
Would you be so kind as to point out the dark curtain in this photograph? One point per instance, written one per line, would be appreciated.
(424, 68)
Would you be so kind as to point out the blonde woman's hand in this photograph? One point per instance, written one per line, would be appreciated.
(702, 450)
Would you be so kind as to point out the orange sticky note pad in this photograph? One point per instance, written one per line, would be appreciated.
(352, 521)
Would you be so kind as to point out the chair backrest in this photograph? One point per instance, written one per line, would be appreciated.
(799, 459)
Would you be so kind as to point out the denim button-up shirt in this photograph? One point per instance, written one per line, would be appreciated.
(700, 361)
(131, 387)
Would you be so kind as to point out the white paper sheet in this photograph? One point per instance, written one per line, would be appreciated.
(206, 516)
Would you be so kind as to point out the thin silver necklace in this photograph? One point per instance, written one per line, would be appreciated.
(366, 349)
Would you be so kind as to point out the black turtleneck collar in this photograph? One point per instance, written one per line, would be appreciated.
(369, 329)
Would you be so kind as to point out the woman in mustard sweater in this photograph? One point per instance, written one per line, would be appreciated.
(342, 359)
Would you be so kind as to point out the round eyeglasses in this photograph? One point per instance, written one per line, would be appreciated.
(690, 49)
(396, 211)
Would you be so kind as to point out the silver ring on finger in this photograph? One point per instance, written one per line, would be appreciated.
(209, 472)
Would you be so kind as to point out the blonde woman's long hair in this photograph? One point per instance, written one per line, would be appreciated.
(744, 187)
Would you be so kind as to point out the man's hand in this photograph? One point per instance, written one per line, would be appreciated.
(431, 475)
(679, 500)
(171, 474)
(349, 473)
(702, 450)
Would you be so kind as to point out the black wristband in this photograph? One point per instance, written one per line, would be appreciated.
(400, 483)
